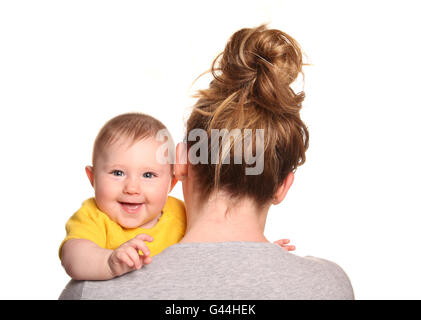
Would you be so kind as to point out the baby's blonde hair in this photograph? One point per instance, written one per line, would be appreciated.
(134, 126)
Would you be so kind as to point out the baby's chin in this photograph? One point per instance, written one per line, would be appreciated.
(141, 223)
(130, 224)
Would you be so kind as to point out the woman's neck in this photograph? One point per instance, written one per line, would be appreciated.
(219, 219)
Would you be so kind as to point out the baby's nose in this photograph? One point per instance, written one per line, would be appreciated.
(132, 187)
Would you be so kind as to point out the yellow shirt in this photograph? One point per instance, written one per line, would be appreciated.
(92, 224)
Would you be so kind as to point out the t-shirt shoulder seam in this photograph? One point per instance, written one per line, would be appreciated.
(91, 209)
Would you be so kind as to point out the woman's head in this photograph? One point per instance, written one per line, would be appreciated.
(250, 91)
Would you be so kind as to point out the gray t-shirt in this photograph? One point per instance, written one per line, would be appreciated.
(224, 270)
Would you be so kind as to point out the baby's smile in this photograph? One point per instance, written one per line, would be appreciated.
(131, 207)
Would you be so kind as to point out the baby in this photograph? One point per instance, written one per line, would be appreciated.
(106, 236)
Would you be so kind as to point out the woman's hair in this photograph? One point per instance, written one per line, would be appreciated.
(251, 90)
(133, 126)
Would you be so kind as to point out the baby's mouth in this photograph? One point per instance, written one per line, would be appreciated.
(131, 207)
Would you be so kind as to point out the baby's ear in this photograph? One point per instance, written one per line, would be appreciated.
(90, 173)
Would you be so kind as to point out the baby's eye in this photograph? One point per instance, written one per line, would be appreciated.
(117, 173)
(148, 175)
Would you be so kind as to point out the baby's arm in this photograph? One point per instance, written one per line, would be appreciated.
(84, 260)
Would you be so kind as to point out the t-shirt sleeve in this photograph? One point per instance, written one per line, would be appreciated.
(85, 224)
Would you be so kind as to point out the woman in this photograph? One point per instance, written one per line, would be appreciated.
(229, 185)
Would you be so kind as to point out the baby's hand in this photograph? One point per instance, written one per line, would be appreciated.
(127, 258)
(283, 244)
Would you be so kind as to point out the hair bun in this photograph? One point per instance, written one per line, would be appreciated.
(251, 91)
(262, 63)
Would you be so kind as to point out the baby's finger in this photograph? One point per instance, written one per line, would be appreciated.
(147, 259)
(134, 257)
(139, 245)
(123, 257)
(282, 242)
(144, 237)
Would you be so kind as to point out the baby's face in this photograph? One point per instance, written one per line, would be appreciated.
(131, 186)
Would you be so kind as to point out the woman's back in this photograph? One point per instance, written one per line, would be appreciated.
(223, 270)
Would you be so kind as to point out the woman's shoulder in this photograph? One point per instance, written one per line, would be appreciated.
(327, 276)
(336, 284)
(301, 274)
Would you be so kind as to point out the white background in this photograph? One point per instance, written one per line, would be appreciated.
(66, 67)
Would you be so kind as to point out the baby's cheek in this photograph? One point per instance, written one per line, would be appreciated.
(101, 194)
(104, 196)
(162, 200)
